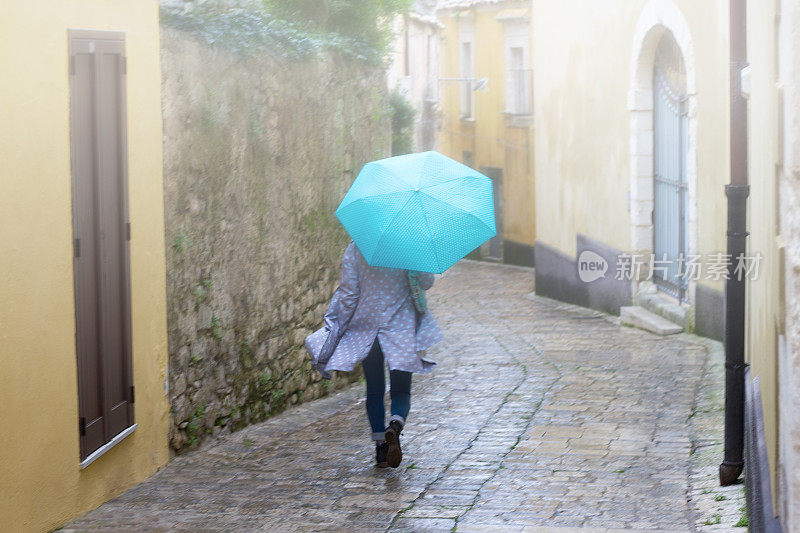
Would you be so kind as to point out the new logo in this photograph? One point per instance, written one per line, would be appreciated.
(591, 266)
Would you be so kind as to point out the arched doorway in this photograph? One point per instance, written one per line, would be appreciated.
(670, 186)
(663, 148)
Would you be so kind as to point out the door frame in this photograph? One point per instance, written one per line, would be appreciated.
(657, 17)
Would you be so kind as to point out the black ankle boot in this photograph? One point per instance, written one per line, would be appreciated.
(380, 455)
(394, 454)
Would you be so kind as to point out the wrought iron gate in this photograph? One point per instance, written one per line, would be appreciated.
(670, 191)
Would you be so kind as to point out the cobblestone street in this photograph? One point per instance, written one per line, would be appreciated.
(540, 415)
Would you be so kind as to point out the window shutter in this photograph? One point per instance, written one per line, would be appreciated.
(100, 218)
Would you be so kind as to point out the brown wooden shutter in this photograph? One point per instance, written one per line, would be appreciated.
(101, 234)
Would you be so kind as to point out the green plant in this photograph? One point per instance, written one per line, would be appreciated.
(743, 521)
(402, 113)
(247, 442)
(326, 385)
(193, 427)
(200, 295)
(216, 328)
(195, 359)
(366, 21)
(192, 430)
(720, 498)
(180, 242)
(265, 381)
(278, 396)
(293, 29)
(201, 292)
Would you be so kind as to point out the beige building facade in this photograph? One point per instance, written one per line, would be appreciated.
(772, 87)
(632, 102)
(487, 111)
(604, 125)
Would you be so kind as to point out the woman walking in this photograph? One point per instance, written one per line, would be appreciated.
(378, 315)
(407, 215)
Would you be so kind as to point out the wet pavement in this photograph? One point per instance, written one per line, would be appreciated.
(540, 416)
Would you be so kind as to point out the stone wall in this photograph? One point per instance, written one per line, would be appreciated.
(258, 152)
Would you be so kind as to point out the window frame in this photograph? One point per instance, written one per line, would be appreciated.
(466, 36)
(517, 36)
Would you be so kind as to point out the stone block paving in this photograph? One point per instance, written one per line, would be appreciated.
(539, 417)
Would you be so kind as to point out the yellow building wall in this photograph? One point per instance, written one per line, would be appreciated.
(41, 484)
(582, 56)
(763, 294)
(491, 141)
(455, 135)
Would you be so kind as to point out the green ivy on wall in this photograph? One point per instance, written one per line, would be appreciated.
(293, 29)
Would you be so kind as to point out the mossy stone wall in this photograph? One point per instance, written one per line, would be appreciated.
(258, 152)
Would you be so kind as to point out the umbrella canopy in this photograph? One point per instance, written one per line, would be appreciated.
(420, 211)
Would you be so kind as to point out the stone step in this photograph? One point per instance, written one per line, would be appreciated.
(640, 317)
(658, 304)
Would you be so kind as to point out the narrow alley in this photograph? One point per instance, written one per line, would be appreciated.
(539, 414)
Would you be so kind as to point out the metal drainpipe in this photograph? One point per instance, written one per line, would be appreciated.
(737, 192)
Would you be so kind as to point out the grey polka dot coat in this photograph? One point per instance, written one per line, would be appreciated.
(373, 302)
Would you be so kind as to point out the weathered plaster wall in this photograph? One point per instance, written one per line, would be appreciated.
(583, 133)
(789, 199)
(762, 299)
(258, 153)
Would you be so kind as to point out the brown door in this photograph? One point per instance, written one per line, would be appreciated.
(101, 234)
(496, 243)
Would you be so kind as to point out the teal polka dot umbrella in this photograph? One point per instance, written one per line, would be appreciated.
(420, 212)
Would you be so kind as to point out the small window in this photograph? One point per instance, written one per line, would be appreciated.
(466, 85)
(519, 74)
(519, 82)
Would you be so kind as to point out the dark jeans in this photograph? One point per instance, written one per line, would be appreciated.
(400, 383)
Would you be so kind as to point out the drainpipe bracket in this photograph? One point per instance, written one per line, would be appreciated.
(737, 191)
(736, 366)
(737, 234)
